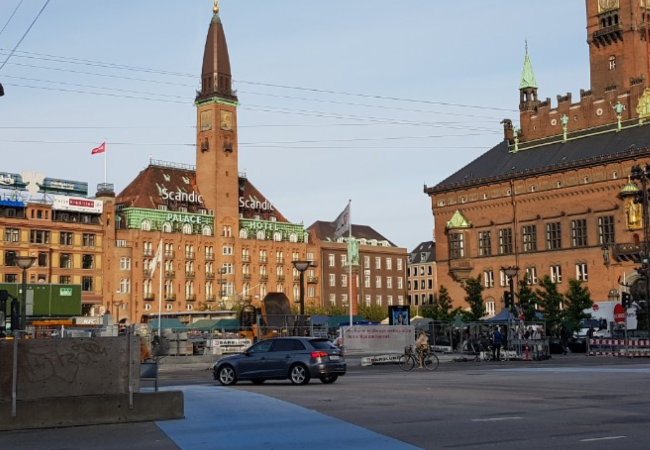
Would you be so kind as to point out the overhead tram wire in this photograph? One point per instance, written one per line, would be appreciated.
(11, 17)
(47, 2)
(92, 63)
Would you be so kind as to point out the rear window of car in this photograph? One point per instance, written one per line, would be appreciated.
(322, 344)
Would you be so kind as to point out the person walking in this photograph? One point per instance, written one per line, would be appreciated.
(497, 340)
(564, 338)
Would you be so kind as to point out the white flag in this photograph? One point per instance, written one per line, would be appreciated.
(156, 259)
(342, 223)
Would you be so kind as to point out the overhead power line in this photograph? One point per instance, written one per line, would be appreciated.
(26, 33)
(11, 17)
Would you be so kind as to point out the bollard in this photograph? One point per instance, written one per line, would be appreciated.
(527, 354)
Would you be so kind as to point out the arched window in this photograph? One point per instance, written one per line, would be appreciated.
(260, 235)
(145, 225)
(187, 228)
(277, 236)
(167, 227)
(207, 230)
(293, 237)
(243, 233)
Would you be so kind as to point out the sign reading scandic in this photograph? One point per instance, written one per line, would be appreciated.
(77, 204)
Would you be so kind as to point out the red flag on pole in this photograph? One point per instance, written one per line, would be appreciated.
(100, 149)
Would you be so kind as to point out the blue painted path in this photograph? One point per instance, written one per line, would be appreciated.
(223, 418)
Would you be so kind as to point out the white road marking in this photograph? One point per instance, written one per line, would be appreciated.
(497, 419)
(608, 438)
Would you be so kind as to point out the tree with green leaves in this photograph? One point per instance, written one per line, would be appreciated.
(527, 299)
(550, 301)
(441, 310)
(373, 313)
(474, 290)
(578, 299)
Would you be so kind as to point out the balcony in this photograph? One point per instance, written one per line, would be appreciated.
(263, 260)
(190, 297)
(209, 275)
(264, 278)
(460, 269)
(189, 255)
(280, 260)
(189, 274)
(608, 35)
(246, 258)
(296, 278)
(627, 253)
(149, 296)
(312, 280)
(246, 276)
(170, 274)
(211, 298)
(169, 254)
(209, 256)
(147, 252)
(146, 273)
(170, 297)
(280, 277)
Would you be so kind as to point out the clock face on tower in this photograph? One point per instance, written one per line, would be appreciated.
(606, 5)
(226, 120)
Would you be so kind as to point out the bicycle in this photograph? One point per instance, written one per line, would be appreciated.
(410, 358)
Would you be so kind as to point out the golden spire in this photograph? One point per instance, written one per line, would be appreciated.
(216, 7)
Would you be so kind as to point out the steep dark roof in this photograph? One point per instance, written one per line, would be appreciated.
(216, 77)
(325, 231)
(428, 249)
(145, 191)
(586, 147)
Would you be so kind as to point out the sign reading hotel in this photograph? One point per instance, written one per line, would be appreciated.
(76, 204)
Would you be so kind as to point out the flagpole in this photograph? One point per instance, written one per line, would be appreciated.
(160, 292)
(105, 178)
(350, 265)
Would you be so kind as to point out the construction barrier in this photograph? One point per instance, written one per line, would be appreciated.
(619, 347)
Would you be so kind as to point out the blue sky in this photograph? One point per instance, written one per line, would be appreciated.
(344, 99)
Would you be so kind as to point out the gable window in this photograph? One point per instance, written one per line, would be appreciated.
(456, 245)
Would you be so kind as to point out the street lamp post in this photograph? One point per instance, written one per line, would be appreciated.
(642, 174)
(24, 262)
(302, 266)
(511, 273)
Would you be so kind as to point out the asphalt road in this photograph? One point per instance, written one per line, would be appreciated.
(566, 403)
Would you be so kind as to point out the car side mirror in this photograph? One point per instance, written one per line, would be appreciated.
(247, 352)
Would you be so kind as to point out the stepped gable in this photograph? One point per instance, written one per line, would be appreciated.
(325, 230)
(171, 186)
(249, 194)
(588, 147)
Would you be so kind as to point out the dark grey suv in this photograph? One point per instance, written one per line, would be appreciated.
(295, 358)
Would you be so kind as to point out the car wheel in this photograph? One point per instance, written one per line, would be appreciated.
(329, 379)
(299, 374)
(258, 380)
(227, 376)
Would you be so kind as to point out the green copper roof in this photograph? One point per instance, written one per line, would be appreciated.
(630, 188)
(528, 76)
(458, 220)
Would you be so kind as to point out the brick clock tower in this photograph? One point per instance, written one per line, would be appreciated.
(616, 33)
(216, 137)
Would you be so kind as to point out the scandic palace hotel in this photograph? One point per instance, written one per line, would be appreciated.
(224, 244)
(555, 197)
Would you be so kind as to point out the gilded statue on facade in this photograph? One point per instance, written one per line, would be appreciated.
(643, 107)
(633, 213)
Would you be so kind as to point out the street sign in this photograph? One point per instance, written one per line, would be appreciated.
(619, 313)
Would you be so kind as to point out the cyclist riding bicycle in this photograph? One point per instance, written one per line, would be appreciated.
(422, 347)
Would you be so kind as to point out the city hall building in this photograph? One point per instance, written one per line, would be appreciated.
(554, 198)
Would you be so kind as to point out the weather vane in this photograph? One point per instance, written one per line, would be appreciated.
(216, 6)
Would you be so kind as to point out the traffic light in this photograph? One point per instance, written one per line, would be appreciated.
(626, 300)
(507, 299)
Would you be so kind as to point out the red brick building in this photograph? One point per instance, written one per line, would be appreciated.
(553, 197)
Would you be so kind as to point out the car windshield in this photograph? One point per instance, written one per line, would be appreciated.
(322, 344)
